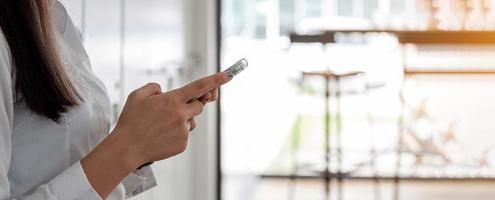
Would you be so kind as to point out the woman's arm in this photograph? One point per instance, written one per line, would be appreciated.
(70, 184)
(109, 163)
(153, 126)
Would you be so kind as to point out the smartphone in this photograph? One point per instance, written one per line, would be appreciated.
(232, 71)
(237, 68)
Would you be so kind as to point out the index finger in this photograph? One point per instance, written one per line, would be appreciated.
(203, 85)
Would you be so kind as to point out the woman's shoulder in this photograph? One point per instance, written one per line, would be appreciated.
(6, 75)
(60, 16)
(5, 58)
(64, 24)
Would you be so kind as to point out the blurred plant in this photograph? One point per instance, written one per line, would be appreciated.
(449, 135)
(427, 141)
(419, 135)
(483, 161)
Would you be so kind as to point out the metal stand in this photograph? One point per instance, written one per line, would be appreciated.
(373, 152)
(338, 127)
(329, 76)
(328, 153)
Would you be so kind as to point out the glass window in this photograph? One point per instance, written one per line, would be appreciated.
(273, 117)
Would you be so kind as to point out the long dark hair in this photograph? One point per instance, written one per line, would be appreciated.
(39, 74)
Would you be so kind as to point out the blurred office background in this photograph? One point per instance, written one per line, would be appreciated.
(343, 99)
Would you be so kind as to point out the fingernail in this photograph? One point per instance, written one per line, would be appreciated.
(230, 75)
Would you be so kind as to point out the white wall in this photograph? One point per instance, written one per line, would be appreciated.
(159, 30)
(200, 46)
(192, 175)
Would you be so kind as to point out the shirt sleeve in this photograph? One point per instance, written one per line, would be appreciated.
(71, 184)
(6, 118)
(139, 181)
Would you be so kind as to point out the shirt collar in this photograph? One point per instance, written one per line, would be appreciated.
(52, 2)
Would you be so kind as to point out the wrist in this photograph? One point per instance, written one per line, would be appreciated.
(125, 150)
(110, 162)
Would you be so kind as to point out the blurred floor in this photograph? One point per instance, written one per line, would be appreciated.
(277, 189)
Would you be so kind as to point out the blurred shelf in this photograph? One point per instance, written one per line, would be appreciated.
(370, 178)
(412, 71)
(405, 36)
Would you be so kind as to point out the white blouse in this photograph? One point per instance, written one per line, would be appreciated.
(39, 159)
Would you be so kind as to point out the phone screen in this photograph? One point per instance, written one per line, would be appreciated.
(237, 68)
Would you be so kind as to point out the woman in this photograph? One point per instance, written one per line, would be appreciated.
(54, 114)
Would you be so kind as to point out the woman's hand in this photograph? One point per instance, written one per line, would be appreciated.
(153, 126)
(157, 124)
(206, 98)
